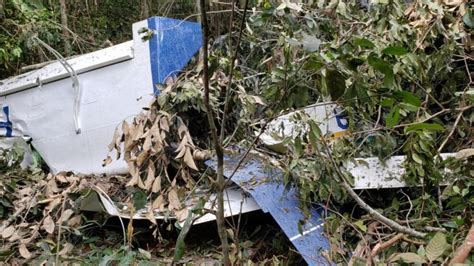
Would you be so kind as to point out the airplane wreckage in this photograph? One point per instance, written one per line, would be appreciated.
(69, 110)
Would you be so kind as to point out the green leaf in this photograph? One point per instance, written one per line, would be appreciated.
(313, 64)
(360, 224)
(314, 129)
(387, 102)
(409, 257)
(364, 43)
(139, 199)
(335, 83)
(417, 158)
(436, 246)
(424, 126)
(392, 118)
(394, 50)
(408, 98)
(298, 147)
(180, 245)
(468, 18)
(384, 67)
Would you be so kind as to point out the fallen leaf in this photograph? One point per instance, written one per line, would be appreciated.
(66, 215)
(68, 247)
(24, 251)
(48, 225)
(74, 221)
(7, 232)
(61, 178)
(53, 204)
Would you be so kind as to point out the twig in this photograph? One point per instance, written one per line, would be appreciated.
(362, 246)
(383, 245)
(463, 251)
(458, 118)
(58, 239)
(389, 222)
(406, 239)
(409, 211)
(220, 184)
(434, 229)
(227, 90)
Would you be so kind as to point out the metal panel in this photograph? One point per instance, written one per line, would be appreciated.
(173, 43)
(267, 189)
(56, 71)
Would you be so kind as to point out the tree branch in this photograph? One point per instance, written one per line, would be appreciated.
(220, 184)
(389, 222)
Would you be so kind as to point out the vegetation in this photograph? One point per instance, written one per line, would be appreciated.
(402, 72)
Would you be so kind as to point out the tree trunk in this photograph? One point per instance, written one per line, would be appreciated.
(220, 182)
(65, 29)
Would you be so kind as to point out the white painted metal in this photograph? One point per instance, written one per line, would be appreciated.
(371, 173)
(55, 71)
(41, 105)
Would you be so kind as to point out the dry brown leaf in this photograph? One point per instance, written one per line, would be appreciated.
(140, 183)
(48, 225)
(61, 178)
(74, 221)
(52, 188)
(24, 251)
(181, 148)
(68, 247)
(188, 159)
(107, 161)
(72, 179)
(134, 173)
(150, 175)
(33, 236)
(173, 200)
(147, 145)
(156, 185)
(16, 236)
(27, 191)
(53, 204)
(125, 128)
(181, 215)
(142, 157)
(66, 215)
(453, 2)
(150, 216)
(113, 143)
(164, 125)
(8, 232)
(159, 203)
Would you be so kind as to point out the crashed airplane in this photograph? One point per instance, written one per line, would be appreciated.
(70, 108)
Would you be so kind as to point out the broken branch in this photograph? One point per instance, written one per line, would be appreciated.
(463, 251)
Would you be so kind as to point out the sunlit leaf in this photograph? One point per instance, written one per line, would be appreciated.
(436, 246)
(394, 50)
(409, 258)
(424, 126)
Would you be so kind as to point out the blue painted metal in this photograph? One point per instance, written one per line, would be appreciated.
(173, 44)
(8, 124)
(265, 186)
